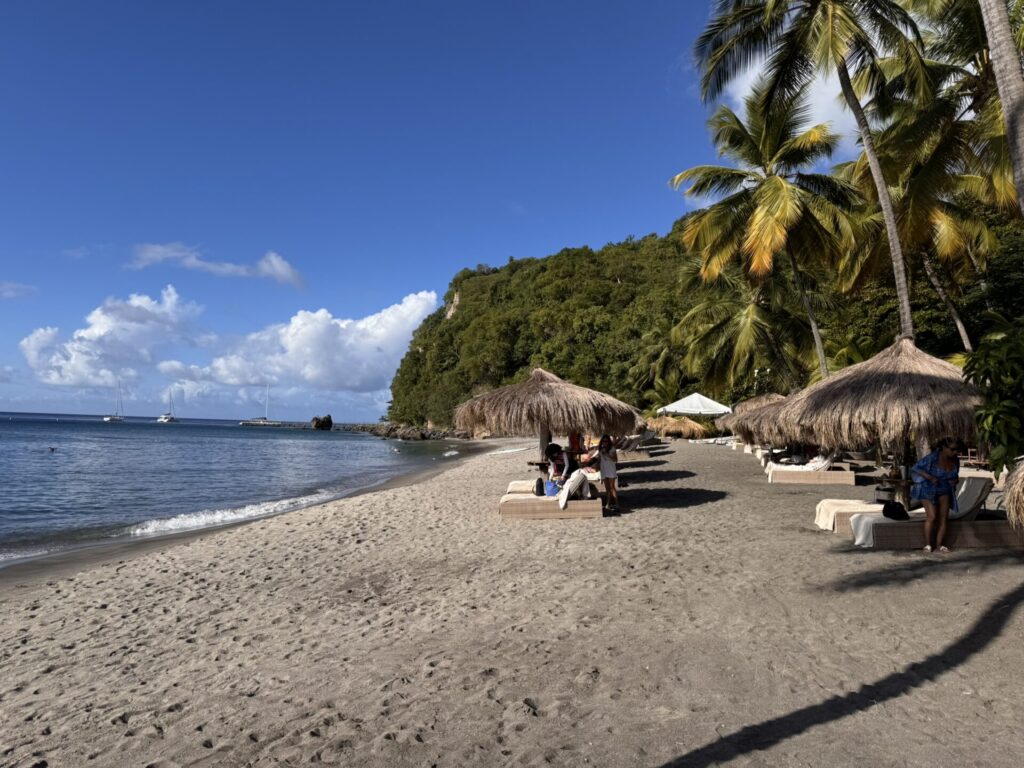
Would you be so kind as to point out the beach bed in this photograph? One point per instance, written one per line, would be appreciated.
(520, 503)
(794, 476)
(526, 506)
(961, 534)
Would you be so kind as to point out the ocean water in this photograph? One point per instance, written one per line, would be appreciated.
(68, 481)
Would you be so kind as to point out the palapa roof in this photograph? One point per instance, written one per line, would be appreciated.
(678, 427)
(757, 402)
(546, 402)
(901, 394)
(1014, 496)
(759, 425)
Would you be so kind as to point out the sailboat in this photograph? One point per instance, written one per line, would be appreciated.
(118, 414)
(264, 420)
(168, 418)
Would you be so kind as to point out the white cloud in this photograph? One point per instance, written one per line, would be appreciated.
(6, 374)
(318, 350)
(120, 336)
(826, 107)
(272, 265)
(14, 290)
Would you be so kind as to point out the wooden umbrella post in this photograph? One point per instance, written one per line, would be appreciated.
(545, 441)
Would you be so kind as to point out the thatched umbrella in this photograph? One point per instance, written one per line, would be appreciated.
(729, 421)
(759, 425)
(677, 427)
(544, 404)
(757, 402)
(898, 396)
(1014, 496)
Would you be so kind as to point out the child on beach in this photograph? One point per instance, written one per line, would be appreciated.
(607, 457)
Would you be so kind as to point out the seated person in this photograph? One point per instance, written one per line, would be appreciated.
(564, 471)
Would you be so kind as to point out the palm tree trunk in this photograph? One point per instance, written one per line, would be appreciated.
(929, 269)
(884, 201)
(1009, 82)
(819, 346)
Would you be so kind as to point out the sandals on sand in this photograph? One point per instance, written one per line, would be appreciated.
(927, 549)
(943, 549)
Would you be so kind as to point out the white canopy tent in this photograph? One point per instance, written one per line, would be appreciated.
(696, 405)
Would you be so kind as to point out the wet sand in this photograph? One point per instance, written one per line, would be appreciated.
(712, 624)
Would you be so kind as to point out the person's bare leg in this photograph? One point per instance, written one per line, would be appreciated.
(929, 522)
(613, 491)
(943, 519)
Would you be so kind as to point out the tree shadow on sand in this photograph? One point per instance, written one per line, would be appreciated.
(763, 735)
(654, 475)
(919, 568)
(636, 464)
(667, 498)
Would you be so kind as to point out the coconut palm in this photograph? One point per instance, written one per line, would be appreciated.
(774, 205)
(739, 326)
(798, 38)
(930, 159)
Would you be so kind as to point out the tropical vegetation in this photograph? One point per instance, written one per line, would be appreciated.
(793, 268)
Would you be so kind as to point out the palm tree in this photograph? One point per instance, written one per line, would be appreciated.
(801, 37)
(1006, 64)
(933, 157)
(775, 205)
(738, 327)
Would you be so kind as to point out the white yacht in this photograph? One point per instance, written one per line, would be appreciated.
(167, 418)
(118, 414)
(264, 420)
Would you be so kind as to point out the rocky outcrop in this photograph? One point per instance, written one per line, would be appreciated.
(325, 423)
(405, 432)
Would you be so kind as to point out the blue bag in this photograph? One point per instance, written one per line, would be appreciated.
(551, 488)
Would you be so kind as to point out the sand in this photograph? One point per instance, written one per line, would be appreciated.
(711, 625)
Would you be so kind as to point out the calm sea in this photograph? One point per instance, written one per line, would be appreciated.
(71, 480)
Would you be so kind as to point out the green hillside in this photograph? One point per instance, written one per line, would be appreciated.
(590, 316)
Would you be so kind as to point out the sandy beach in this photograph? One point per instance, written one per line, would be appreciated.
(711, 625)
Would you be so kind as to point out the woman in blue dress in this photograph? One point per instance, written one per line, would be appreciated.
(935, 479)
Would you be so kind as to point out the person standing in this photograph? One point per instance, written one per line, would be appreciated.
(935, 480)
(608, 458)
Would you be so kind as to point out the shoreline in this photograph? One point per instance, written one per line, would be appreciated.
(58, 564)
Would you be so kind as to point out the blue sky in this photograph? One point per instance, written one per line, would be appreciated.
(210, 196)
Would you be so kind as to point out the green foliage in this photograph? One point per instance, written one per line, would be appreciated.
(581, 314)
(997, 370)
(615, 320)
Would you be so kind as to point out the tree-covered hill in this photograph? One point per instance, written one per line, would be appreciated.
(579, 313)
(592, 316)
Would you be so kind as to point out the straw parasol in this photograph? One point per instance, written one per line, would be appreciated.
(1014, 497)
(900, 395)
(759, 425)
(757, 402)
(677, 427)
(728, 421)
(544, 404)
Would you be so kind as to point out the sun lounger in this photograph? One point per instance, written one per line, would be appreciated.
(524, 506)
(834, 514)
(521, 486)
(874, 530)
(814, 472)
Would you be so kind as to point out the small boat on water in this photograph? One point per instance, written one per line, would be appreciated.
(264, 420)
(118, 414)
(167, 418)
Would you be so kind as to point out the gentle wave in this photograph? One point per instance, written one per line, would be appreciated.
(212, 517)
(450, 453)
(507, 450)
